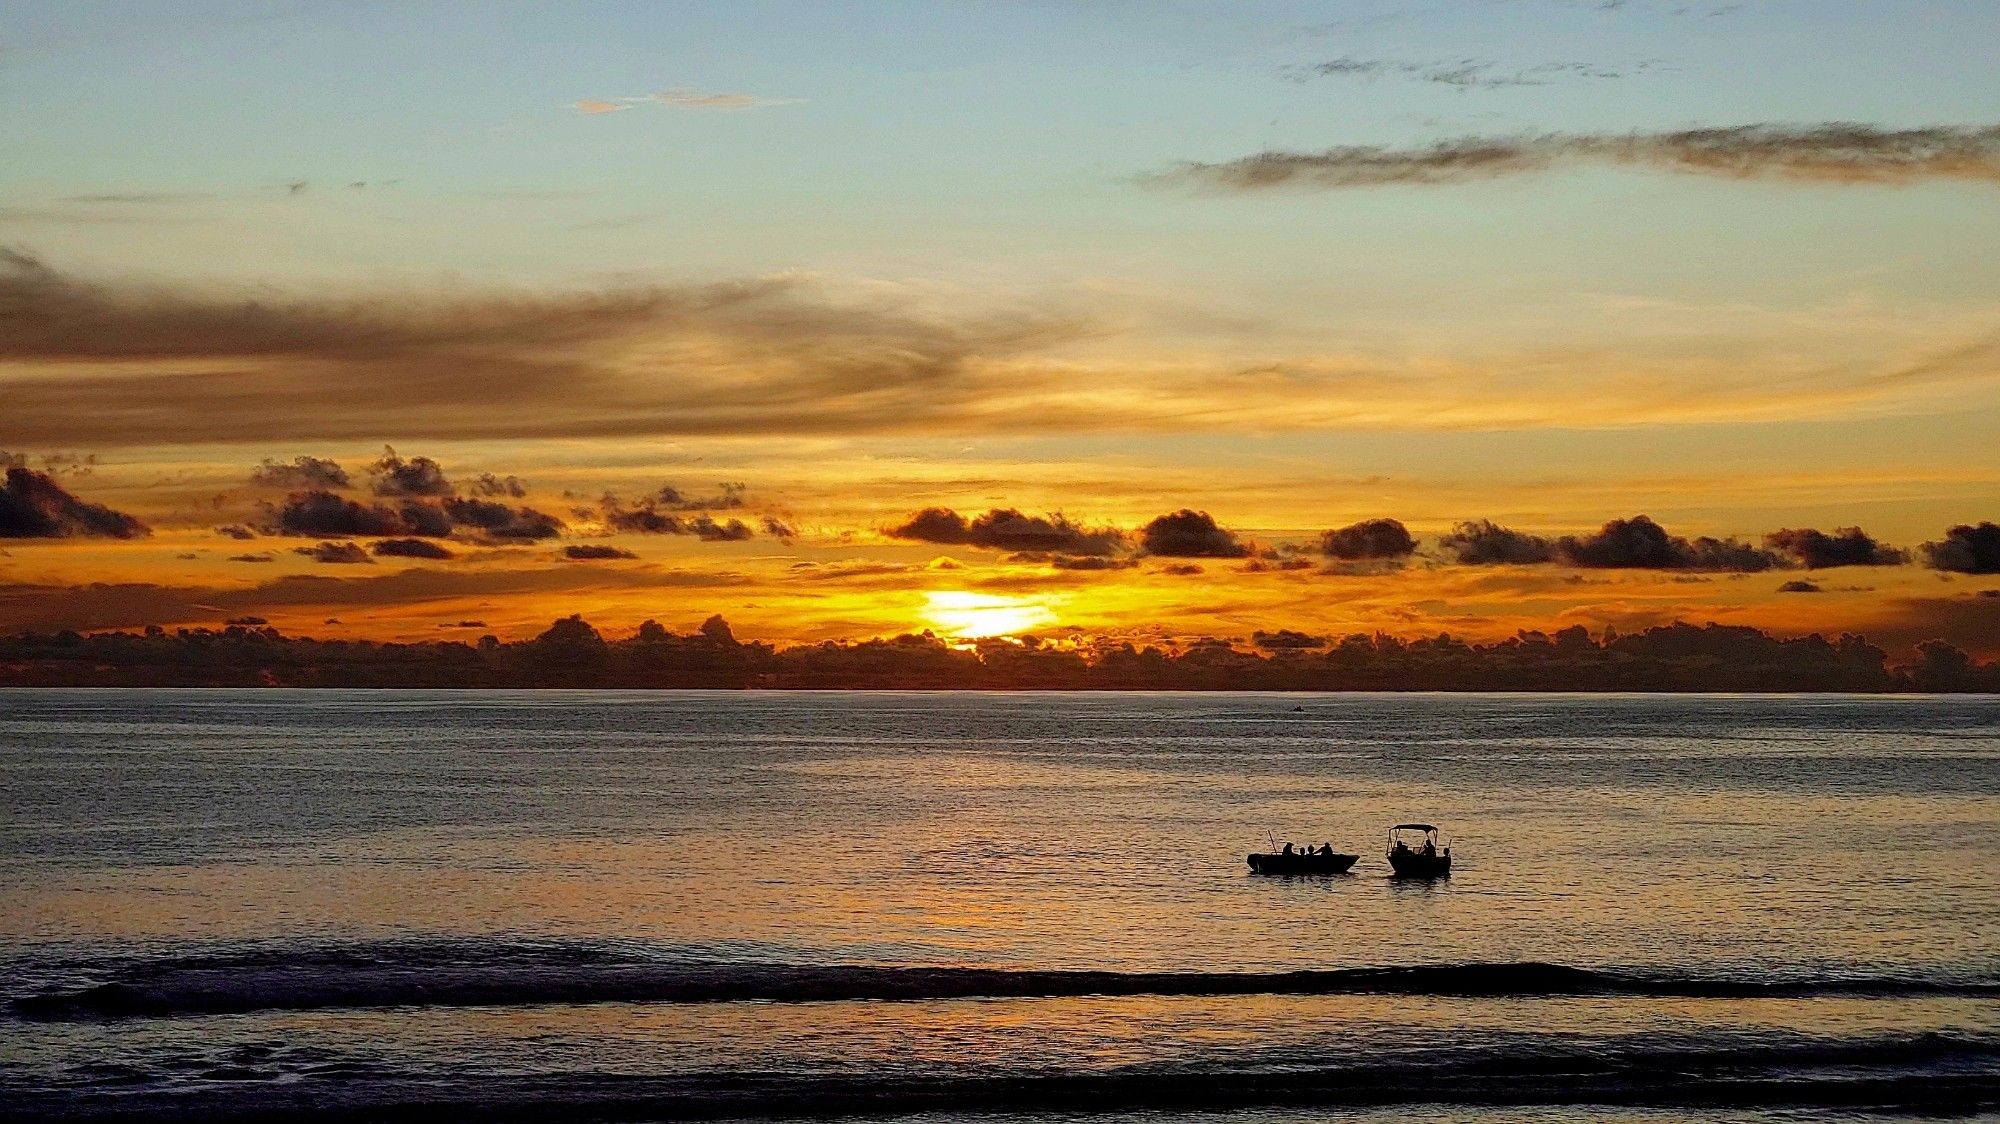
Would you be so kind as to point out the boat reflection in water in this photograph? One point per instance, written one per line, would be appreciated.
(1309, 860)
(1417, 851)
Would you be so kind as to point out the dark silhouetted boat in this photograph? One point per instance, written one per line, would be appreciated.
(1416, 851)
(1323, 860)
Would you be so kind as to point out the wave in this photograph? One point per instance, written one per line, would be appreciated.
(1929, 1073)
(378, 976)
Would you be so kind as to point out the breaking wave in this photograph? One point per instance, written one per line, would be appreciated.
(520, 975)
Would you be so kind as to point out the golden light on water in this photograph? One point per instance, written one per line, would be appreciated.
(974, 616)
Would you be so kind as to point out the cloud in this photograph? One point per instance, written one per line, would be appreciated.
(299, 473)
(654, 514)
(90, 364)
(418, 476)
(1072, 562)
(1368, 540)
(779, 529)
(25, 607)
(500, 521)
(146, 365)
(1483, 543)
(1834, 153)
(586, 552)
(682, 98)
(1846, 546)
(1468, 73)
(1190, 534)
(1639, 543)
(236, 531)
(411, 548)
(709, 530)
(34, 506)
(343, 553)
(1798, 587)
(263, 557)
(1006, 528)
(487, 484)
(1966, 549)
(1286, 638)
(665, 513)
(319, 512)
(52, 464)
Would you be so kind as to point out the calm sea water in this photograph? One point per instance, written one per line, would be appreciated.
(655, 905)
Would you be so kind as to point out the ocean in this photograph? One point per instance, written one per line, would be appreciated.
(566, 905)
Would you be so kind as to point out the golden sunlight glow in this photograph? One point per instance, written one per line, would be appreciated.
(973, 616)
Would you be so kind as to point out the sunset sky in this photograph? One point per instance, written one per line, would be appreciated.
(672, 309)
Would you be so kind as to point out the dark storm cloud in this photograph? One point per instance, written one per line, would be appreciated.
(411, 548)
(34, 506)
(299, 473)
(1190, 534)
(1484, 543)
(162, 366)
(588, 552)
(1639, 543)
(1005, 528)
(1369, 539)
(1966, 549)
(344, 553)
(417, 476)
(1835, 153)
(1846, 546)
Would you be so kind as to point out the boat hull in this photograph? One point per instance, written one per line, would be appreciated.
(1411, 864)
(1280, 863)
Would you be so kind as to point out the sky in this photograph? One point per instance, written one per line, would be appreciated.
(819, 268)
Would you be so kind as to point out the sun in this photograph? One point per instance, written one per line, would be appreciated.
(973, 616)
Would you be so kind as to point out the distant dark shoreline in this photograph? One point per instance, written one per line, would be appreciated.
(1671, 660)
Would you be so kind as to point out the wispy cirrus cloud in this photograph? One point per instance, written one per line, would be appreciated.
(1471, 73)
(682, 97)
(106, 364)
(1833, 153)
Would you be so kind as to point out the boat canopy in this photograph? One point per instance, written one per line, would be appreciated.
(1413, 827)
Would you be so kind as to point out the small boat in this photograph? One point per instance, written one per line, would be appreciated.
(1416, 851)
(1323, 860)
